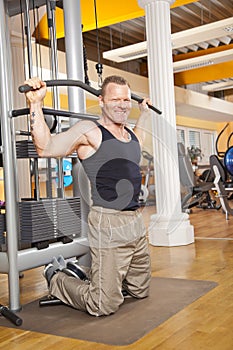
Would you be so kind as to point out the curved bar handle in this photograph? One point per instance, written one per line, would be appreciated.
(55, 112)
(64, 82)
(79, 83)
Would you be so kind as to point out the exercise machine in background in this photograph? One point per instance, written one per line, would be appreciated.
(147, 193)
(221, 189)
(195, 192)
(223, 161)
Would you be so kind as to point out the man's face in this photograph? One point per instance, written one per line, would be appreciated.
(116, 103)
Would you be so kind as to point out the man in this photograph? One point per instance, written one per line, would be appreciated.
(110, 154)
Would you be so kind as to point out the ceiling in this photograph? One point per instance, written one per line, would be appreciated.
(183, 18)
(192, 14)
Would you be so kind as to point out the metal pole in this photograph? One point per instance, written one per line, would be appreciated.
(30, 72)
(28, 36)
(9, 172)
(51, 8)
(74, 63)
(74, 52)
(75, 70)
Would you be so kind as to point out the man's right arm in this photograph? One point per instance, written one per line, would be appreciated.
(39, 130)
(47, 145)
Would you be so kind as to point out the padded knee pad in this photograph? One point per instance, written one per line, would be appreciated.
(75, 271)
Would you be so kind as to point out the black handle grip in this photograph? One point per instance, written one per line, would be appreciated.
(25, 88)
(10, 315)
(68, 82)
(140, 99)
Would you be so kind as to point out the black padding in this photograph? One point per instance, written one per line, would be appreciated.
(77, 270)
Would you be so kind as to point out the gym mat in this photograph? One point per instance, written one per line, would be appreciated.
(132, 321)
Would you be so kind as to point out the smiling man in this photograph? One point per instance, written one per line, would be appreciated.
(110, 153)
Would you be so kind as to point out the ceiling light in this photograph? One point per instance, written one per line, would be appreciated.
(201, 61)
(187, 65)
(218, 86)
(127, 53)
(188, 37)
(205, 32)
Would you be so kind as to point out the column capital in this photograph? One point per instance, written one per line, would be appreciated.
(143, 3)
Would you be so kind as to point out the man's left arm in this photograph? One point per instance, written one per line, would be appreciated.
(143, 124)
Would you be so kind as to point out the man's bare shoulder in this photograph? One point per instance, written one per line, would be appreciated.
(86, 126)
(90, 139)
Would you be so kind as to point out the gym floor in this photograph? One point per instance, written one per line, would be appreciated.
(205, 324)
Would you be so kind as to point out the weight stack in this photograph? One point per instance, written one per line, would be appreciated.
(26, 149)
(49, 219)
(2, 228)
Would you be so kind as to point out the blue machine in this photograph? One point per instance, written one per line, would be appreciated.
(67, 172)
(228, 160)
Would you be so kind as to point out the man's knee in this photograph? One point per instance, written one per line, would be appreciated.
(138, 293)
(138, 289)
(107, 305)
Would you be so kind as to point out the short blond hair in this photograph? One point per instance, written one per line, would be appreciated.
(116, 79)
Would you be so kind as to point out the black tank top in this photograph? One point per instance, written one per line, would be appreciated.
(114, 172)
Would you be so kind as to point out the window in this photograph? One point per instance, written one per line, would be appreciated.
(180, 136)
(194, 138)
(203, 139)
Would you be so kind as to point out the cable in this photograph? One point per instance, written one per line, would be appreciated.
(98, 66)
(87, 81)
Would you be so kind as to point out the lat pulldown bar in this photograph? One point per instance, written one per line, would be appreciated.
(78, 83)
(55, 112)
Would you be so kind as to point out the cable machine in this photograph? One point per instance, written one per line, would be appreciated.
(16, 259)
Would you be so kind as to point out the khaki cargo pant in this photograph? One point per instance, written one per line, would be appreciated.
(120, 259)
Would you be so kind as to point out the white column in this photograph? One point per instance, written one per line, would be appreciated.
(169, 226)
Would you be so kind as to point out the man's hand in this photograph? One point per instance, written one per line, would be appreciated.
(39, 90)
(143, 106)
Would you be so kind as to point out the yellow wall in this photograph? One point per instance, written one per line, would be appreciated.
(196, 123)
